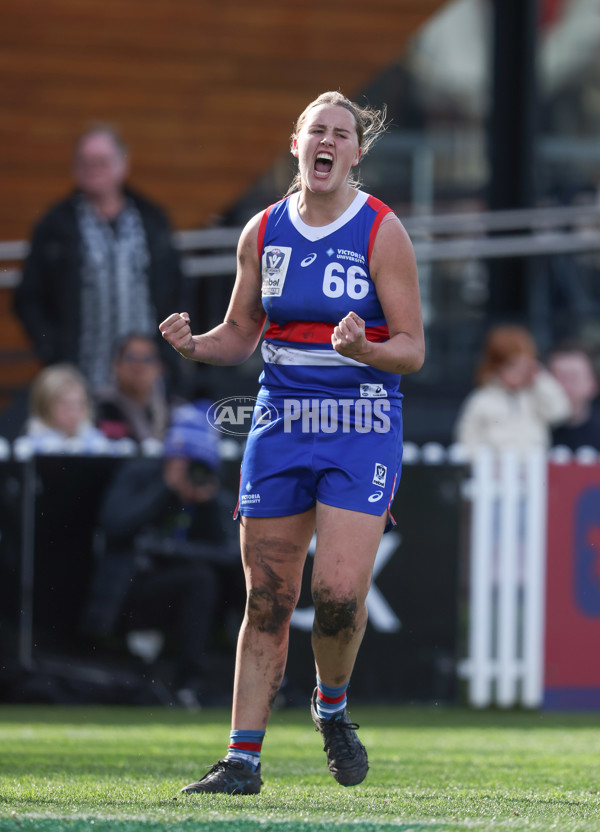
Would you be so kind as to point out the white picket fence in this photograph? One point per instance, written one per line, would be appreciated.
(507, 579)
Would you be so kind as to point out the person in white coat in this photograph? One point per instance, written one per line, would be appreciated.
(517, 401)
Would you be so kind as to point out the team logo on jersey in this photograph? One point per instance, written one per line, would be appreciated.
(373, 391)
(309, 260)
(275, 262)
(380, 475)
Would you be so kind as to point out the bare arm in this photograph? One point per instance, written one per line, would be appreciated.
(233, 341)
(394, 273)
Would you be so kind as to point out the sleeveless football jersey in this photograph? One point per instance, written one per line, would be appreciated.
(311, 278)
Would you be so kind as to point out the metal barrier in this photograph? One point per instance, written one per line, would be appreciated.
(211, 252)
(507, 498)
(50, 492)
(412, 605)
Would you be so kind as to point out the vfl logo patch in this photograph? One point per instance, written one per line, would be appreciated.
(380, 475)
(275, 262)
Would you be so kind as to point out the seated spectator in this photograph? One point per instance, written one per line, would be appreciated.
(60, 408)
(516, 401)
(135, 405)
(170, 554)
(571, 364)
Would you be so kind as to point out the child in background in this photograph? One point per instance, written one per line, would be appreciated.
(516, 401)
(60, 408)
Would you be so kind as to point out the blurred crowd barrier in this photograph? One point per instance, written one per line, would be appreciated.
(487, 590)
(534, 581)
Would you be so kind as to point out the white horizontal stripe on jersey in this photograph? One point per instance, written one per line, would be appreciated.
(276, 354)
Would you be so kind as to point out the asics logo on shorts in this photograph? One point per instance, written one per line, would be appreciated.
(375, 497)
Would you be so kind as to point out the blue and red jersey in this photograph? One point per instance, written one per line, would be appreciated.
(312, 277)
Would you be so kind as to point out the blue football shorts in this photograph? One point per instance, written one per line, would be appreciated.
(341, 452)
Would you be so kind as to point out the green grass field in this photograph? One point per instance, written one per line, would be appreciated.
(118, 769)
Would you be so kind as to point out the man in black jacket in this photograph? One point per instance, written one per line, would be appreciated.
(101, 265)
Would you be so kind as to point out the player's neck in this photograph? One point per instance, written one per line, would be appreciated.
(317, 209)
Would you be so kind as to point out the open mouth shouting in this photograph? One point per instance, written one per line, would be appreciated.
(323, 164)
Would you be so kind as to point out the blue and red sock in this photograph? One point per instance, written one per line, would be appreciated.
(331, 702)
(245, 746)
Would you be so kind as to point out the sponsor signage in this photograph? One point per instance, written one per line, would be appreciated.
(572, 663)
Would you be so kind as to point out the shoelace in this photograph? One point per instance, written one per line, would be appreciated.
(224, 764)
(347, 726)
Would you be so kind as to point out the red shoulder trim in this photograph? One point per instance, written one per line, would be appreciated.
(381, 210)
(261, 231)
(236, 511)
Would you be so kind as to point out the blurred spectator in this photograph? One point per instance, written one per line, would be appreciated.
(516, 401)
(135, 405)
(571, 363)
(60, 408)
(170, 553)
(101, 264)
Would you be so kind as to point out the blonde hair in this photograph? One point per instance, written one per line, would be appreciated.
(370, 125)
(502, 344)
(49, 384)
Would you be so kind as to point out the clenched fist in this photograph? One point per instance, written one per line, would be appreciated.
(348, 337)
(176, 330)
